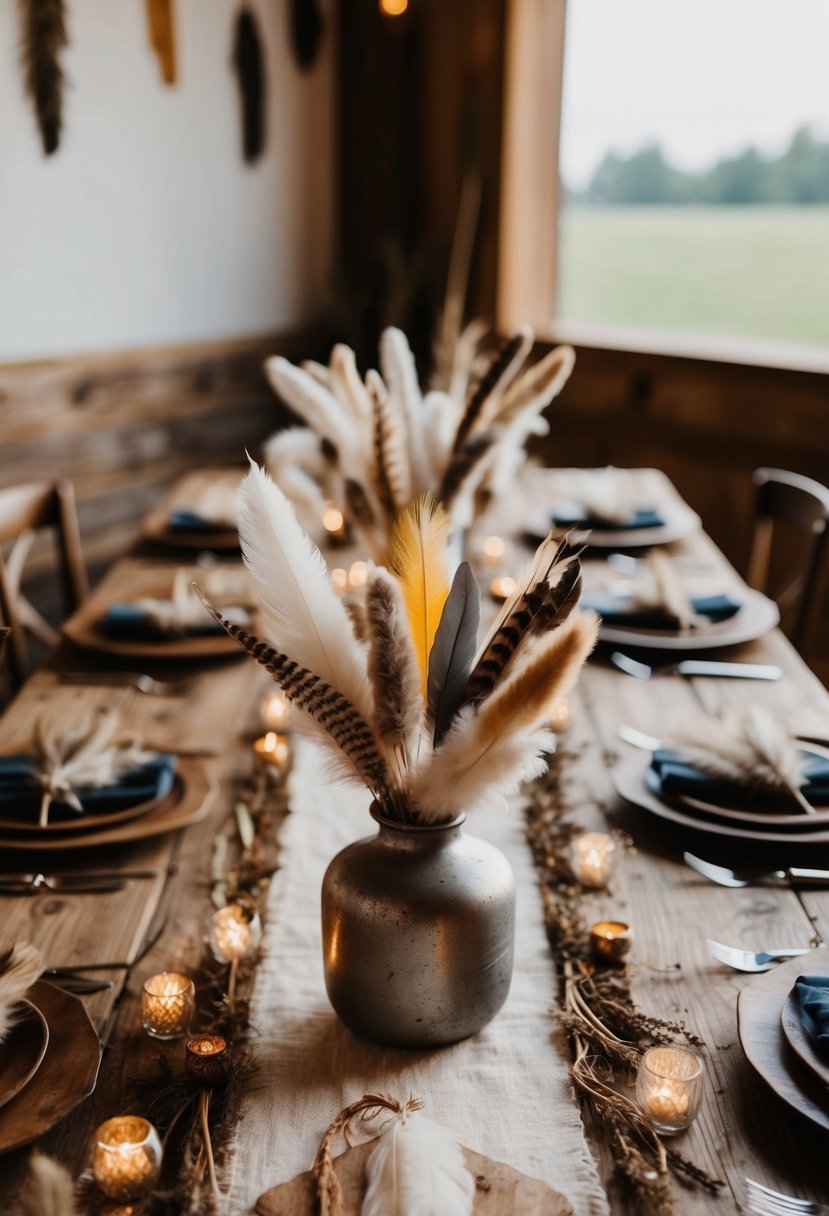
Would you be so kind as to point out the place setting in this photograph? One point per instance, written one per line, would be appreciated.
(742, 779)
(623, 509)
(202, 516)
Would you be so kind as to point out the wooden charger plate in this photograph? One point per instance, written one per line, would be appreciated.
(67, 1073)
(800, 1041)
(755, 617)
(759, 1011)
(82, 627)
(22, 1051)
(190, 799)
(630, 778)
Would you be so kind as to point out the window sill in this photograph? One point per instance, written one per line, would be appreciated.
(786, 356)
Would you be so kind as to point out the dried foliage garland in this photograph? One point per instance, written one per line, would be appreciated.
(608, 1034)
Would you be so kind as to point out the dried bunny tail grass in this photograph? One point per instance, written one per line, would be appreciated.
(48, 1190)
(20, 965)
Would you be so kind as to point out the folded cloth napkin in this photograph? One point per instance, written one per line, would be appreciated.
(135, 622)
(672, 776)
(624, 610)
(182, 520)
(579, 517)
(20, 791)
(813, 998)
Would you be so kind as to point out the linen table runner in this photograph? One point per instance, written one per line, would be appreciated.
(506, 1092)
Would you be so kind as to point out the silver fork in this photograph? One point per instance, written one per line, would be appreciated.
(695, 667)
(750, 960)
(747, 878)
(763, 1201)
(127, 679)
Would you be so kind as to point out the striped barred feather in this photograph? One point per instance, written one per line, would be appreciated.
(503, 367)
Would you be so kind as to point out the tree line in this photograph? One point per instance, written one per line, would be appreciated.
(800, 175)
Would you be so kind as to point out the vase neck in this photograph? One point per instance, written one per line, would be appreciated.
(415, 835)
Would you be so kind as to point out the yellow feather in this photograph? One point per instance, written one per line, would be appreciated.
(418, 557)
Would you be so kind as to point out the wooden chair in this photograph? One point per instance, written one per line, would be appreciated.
(24, 509)
(803, 504)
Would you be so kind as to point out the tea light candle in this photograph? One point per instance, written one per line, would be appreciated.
(560, 715)
(235, 932)
(358, 574)
(273, 750)
(501, 587)
(592, 856)
(206, 1059)
(669, 1088)
(494, 548)
(126, 1157)
(333, 522)
(610, 940)
(275, 710)
(168, 1003)
(339, 580)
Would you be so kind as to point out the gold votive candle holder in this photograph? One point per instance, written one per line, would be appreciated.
(168, 1003)
(494, 550)
(273, 751)
(126, 1157)
(501, 587)
(275, 711)
(610, 940)
(333, 522)
(206, 1059)
(234, 932)
(592, 858)
(669, 1087)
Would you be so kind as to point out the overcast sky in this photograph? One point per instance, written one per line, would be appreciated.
(703, 77)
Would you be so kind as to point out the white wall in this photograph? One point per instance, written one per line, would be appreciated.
(146, 227)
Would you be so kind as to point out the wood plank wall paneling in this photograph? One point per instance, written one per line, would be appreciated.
(124, 426)
(707, 424)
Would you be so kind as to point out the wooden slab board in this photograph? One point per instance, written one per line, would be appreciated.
(500, 1190)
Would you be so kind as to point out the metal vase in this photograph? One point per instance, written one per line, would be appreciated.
(418, 927)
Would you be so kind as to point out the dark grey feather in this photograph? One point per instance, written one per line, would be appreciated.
(453, 650)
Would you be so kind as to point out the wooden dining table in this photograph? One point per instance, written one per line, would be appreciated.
(743, 1130)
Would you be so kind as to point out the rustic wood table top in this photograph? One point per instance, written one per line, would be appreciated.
(743, 1130)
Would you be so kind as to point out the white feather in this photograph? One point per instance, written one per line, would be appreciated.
(400, 375)
(535, 388)
(417, 1169)
(304, 617)
(440, 421)
(317, 407)
(49, 1190)
(294, 461)
(317, 371)
(22, 966)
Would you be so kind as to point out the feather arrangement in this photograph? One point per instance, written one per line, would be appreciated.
(48, 1190)
(380, 442)
(44, 37)
(88, 755)
(750, 748)
(249, 63)
(417, 1169)
(20, 965)
(411, 704)
(162, 37)
(306, 31)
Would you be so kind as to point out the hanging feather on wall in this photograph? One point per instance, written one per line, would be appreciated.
(44, 37)
(306, 31)
(162, 37)
(250, 72)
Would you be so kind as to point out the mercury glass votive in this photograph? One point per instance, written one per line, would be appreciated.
(234, 932)
(273, 751)
(126, 1157)
(168, 1002)
(592, 858)
(610, 940)
(669, 1088)
(206, 1059)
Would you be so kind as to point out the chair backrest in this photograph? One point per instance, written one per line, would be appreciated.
(804, 504)
(24, 510)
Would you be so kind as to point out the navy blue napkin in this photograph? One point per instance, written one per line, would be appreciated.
(182, 520)
(619, 610)
(672, 776)
(20, 793)
(129, 623)
(813, 999)
(644, 517)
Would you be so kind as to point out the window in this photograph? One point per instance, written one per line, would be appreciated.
(695, 169)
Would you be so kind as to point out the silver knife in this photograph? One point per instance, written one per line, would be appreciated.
(740, 671)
